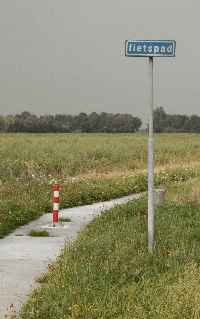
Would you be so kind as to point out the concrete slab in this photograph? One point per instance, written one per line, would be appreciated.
(24, 258)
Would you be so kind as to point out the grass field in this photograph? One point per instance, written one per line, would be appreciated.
(45, 155)
(108, 274)
(90, 167)
(105, 274)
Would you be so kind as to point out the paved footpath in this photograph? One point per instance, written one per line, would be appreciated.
(24, 258)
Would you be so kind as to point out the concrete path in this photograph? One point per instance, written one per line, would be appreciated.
(24, 258)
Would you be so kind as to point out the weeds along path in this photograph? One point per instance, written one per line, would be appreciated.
(108, 273)
(24, 258)
(23, 201)
(89, 167)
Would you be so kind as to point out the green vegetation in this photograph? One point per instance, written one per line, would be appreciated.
(164, 122)
(107, 273)
(38, 233)
(103, 122)
(90, 168)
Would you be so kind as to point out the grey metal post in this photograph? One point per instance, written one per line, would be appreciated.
(151, 212)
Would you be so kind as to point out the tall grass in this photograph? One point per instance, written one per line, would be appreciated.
(108, 274)
(46, 155)
(90, 167)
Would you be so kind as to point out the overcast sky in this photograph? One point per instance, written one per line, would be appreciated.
(68, 56)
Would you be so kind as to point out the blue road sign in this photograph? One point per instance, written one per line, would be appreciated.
(150, 48)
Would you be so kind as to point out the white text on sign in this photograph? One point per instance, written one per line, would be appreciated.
(154, 48)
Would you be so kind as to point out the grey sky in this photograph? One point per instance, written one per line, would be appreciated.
(68, 56)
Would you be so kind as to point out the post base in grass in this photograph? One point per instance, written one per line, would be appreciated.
(160, 194)
(56, 226)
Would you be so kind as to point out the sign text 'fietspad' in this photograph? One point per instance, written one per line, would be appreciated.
(152, 48)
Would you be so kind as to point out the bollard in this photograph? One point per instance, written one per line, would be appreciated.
(56, 189)
(159, 196)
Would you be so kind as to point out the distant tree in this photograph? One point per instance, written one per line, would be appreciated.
(24, 122)
(9, 122)
(82, 122)
(164, 122)
(63, 123)
(104, 122)
(137, 123)
(93, 122)
(46, 123)
(194, 124)
(160, 120)
(125, 123)
(2, 124)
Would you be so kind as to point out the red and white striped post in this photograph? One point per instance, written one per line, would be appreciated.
(56, 200)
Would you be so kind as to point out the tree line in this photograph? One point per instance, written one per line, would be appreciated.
(103, 122)
(93, 122)
(164, 122)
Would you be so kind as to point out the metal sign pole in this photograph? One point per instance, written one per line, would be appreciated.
(150, 49)
(151, 209)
